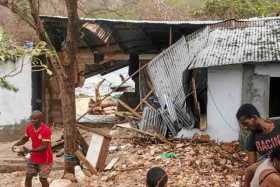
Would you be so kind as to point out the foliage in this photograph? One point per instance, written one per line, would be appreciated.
(5, 84)
(9, 51)
(226, 9)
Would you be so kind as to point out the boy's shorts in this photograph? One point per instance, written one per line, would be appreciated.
(42, 169)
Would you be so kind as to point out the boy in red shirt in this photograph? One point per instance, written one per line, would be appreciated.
(41, 158)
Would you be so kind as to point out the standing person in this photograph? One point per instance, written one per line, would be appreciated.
(40, 161)
(268, 172)
(264, 137)
(156, 177)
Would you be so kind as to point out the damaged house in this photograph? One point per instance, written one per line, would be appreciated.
(194, 74)
(204, 77)
(107, 45)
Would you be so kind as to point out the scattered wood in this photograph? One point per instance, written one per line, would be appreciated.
(57, 145)
(81, 141)
(125, 114)
(149, 105)
(203, 138)
(196, 106)
(85, 162)
(98, 150)
(129, 108)
(133, 168)
(123, 82)
(97, 131)
(111, 164)
(144, 99)
(157, 136)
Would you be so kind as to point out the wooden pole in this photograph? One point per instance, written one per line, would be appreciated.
(85, 162)
(81, 140)
(129, 108)
(157, 136)
(144, 99)
(170, 35)
(149, 105)
(196, 103)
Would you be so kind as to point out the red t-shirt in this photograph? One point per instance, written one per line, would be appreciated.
(42, 134)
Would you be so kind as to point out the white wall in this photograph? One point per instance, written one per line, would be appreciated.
(273, 70)
(224, 99)
(16, 106)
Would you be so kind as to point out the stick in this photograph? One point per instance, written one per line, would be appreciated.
(94, 131)
(129, 108)
(56, 145)
(107, 95)
(196, 103)
(85, 162)
(81, 140)
(144, 99)
(149, 105)
(157, 136)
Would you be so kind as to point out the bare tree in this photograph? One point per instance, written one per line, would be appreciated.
(66, 76)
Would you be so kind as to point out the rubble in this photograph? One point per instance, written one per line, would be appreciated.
(132, 154)
(196, 164)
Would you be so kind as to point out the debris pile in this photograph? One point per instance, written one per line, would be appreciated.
(187, 162)
(106, 107)
(101, 106)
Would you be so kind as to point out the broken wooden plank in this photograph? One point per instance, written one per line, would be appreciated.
(85, 162)
(149, 105)
(157, 136)
(196, 106)
(111, 164)
(97, 131)
(98, 151)
(81, 141)
(144, 99)
(57, 145)
(129, 108)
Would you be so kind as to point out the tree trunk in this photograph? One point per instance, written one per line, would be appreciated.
(68, 107)
(67, 77)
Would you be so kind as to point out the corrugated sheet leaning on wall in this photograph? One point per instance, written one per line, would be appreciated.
(230, 42)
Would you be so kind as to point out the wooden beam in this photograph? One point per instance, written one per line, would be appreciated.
(94, 131)
(196, 105)
(170, 35)
(144, 99)
(81, 140)
(149, 105)
(86, 56)
(85, 162)
(129, 108)
(155, 135)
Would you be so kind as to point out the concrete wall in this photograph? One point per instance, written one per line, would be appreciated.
(256, 84)
(272, 70)
(224, 98)
(16, 106)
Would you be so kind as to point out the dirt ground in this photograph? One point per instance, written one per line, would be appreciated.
(12, 167)
(195, 164)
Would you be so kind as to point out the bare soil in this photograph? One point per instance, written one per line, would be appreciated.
(195, 165)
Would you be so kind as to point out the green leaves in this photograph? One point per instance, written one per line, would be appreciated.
(9, 51)
(6, 85)
(226, 9)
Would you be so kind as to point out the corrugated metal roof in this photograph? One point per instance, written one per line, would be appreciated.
(230, 42)
(133, 36)
(236, 42)
(207, 22)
